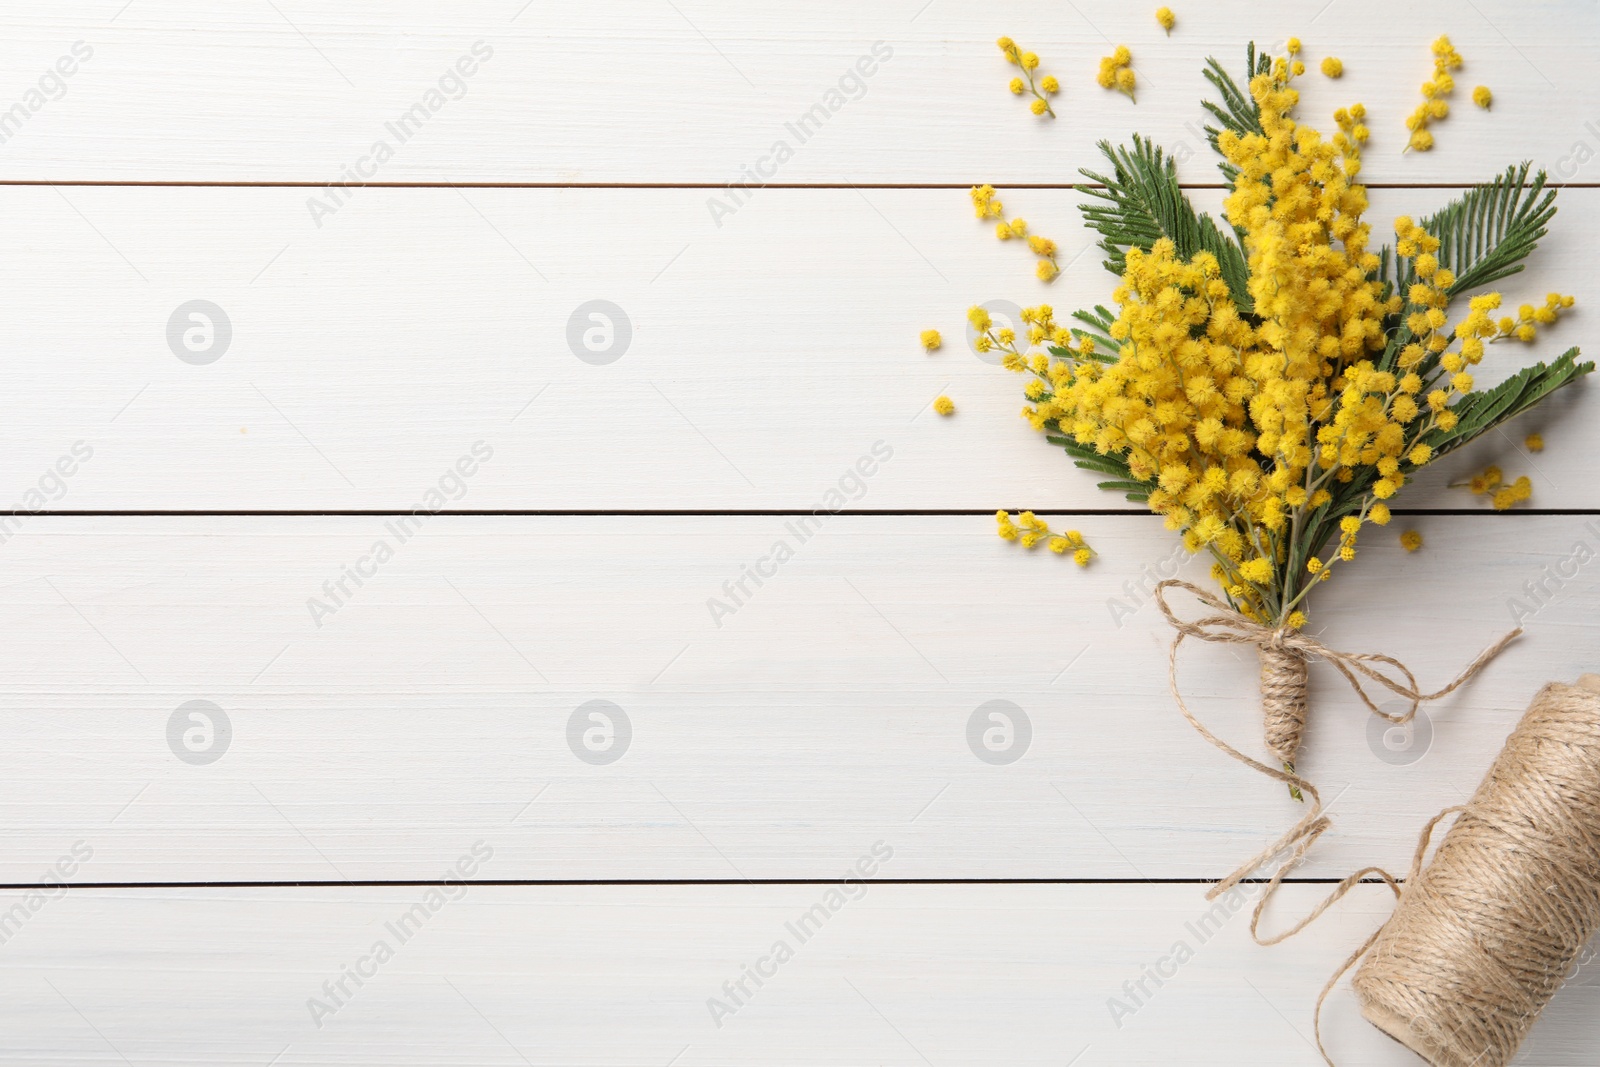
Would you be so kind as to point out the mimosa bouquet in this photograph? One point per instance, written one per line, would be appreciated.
(1270, 382)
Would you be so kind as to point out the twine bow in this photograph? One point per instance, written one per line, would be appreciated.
(1229, 627)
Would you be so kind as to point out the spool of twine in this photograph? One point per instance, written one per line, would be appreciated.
(1486, 933)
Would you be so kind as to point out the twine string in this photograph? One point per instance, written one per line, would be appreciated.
(1228, 626)
(1284, 654)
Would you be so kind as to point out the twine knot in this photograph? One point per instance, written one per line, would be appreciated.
(1285, 655)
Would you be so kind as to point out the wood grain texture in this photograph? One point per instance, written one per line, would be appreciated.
(902, 975)
(765, 356)
(408, 348)
(764, 739)
(639, 91)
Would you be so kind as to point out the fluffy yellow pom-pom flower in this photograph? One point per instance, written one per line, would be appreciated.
(1166, 18)
(944, 405)
(1333, 67)
(1412, 540)
(931, 339)
(1534, 442)
(1482, 97)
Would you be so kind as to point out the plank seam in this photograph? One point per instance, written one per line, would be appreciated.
(1065, 187)
(556, 882)
(87, 513)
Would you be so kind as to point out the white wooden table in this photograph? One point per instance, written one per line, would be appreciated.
(400, 746)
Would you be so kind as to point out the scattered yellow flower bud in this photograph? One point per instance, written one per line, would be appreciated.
(1534, 442)
(1116, 72)
(1333, 67)
(1166, 18)
(944, 405)
(931, 339)
(1127, 82)
(1482, 97)
(1029, 62)
(1412, 540)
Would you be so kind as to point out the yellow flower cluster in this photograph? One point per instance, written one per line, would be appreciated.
(1433, 106)
(1031, 531)
(984, 202)
(1042, 89)
(1482, 97)
(1353, 132)
(1166, 18)
(1042, 247)
(987, 206)
(1246, 426)
(1333, 67)
(1042, 330)
(1525, 327)
(1296, 67)
(1501, 494)
(1116, 72)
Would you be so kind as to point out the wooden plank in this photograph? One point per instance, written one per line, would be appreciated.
(695, 91)
(449, 697)
(892, 974)
(364, 359)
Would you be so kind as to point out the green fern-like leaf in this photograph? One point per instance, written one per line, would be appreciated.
(1238, 111)
(1485, 234)
(1142, 202)
(1110, 463)
(1478, 413)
